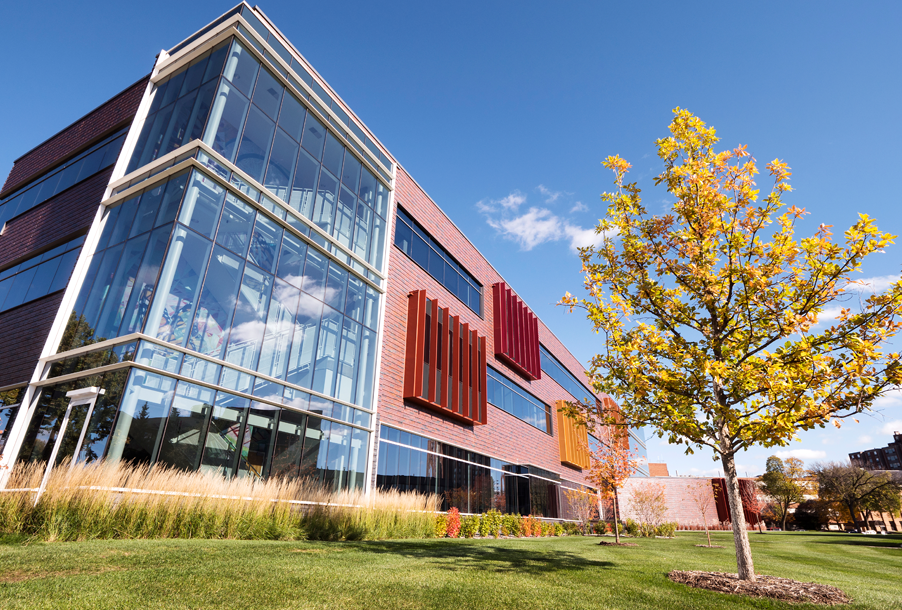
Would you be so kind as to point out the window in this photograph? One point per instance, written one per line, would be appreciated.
(85, 165)
(428, 254)
(39, 276)
(508, 396)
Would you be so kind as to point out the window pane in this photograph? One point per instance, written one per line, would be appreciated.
(178, 124)
(250, 318)
(326, 194)
(123, 225)
(281, 166)
(186, 426)
(403, 236)
(350, 174)
(314, 136)
(43, 277)
(368, 187)
(147, 210)
(151, 144)
(366, 369)
(215, 308)
(348, 356)
(333, 154)
(356, 296)
(304, 185)
(436, 265)
(194, 129)
(173, 304)
(175, 86)
(99, 290)
(291, 260)
(371, 314)
(268, 93)
(289, 444)
(241, 68)
(339, 450)
(264, 250)
(336, 286)
(195, 74)
(451, 278)
(313, 462)
(327, 352)
(139, 301)
(145, 405)
(420, 252)
(344, 217)
(221, 444)
(97, 432)
(236, 225)
(291, 118)
(381, 206)
(314, 281)
(303, 343)
(362, 229)
(121, 287)
(203, 202)
(175, 188)
(279, 329)
(255, 144)
(226, 121)
(258, 433)
(63, 272)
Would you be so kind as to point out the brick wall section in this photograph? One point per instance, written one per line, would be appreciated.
(114, 113)
(658, 470)
(65, 215)
(23, 331)
(504, 436)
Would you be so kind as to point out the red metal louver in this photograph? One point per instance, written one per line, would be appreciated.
(445, 364)
(516, 332)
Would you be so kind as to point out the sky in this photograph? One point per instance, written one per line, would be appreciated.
(503, 111)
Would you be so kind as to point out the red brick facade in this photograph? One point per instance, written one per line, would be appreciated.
(504, 436)
(23, 331)
(112, 115)
(40, 227)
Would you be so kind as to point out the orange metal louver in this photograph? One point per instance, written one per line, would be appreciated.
(573, 439)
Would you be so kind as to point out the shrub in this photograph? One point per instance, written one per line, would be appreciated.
(453, 530)
(600, 528)
(490, 524)
(510, 525)
(667, 529)
(647, 530)
(441, 525)
(469, 526)
(610, 527)
(559, 529)
(547, 528)
(632, 528)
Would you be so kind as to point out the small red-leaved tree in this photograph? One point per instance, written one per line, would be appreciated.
(612, 463)
(752, 500)
(703, 496)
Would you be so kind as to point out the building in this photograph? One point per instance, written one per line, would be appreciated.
(887, 458)
(222, 268)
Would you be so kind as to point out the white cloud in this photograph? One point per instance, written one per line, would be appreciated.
(864, 438)
(892, 426)
(510, 203)
(540, 225)
(828, 315)
(550, 196)
(802, 454)
(871, 285)
(892, 399)
(579, 206)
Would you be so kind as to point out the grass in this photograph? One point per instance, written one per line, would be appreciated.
(108, 501)
(572, 572)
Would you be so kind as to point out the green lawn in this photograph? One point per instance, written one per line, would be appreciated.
(454, 574)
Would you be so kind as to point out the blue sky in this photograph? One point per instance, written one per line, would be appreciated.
(503, 112)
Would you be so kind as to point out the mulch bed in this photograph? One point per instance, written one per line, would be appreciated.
(783, 589)
(606, 543)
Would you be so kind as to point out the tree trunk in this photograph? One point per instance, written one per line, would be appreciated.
(744, 565)
(616, 519)
(785, 515)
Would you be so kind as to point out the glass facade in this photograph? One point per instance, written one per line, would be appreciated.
(39, 276)
(83, 166)
(508, 396)
(465, 480)
(9, 407)
(240, 109)
(428, 254)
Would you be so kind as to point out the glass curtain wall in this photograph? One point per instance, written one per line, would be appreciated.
(195, 266)
(149, 418)
(239, 108)
(465, 480)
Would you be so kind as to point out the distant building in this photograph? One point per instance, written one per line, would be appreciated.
(887, 458)
(658, 470)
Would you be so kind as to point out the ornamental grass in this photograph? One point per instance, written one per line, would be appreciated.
(106, 501)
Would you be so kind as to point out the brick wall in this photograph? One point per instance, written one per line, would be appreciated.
(60, 217)
(23, 331)
(504, 436)
(115, 113)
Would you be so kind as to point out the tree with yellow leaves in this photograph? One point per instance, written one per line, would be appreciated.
(709, 312)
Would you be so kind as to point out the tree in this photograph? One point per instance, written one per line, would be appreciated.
(853, 487)
(709, 312)
(752, 500)
(817, 514)
(584, 504)
(782, 483)
(704, 495)
(612, 463)
(649, 504)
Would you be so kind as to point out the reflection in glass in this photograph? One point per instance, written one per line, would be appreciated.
(186, 427)
(217, 302)
(145, 405)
